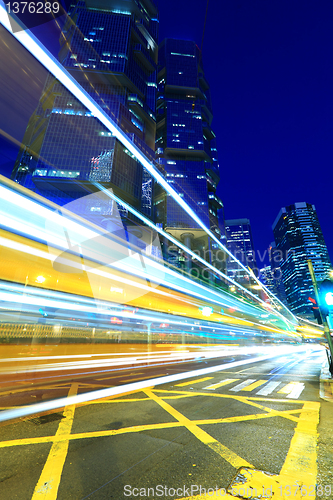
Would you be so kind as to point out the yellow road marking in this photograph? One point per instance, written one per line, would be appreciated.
(288, 388)
(114, 376)
(93, 385)
(33, 388)
(194, 381)
(142, 378)
(219, 495)
(140, 428)
(203, 436)
(220, 384)
(270, 411)
(174, 395)
(254, 385)
(301, 460)
(48, 484)
(231, 396)
(134, 400)
(298, 475)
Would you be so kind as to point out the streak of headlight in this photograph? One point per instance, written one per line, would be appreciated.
(113, 391)
(45, 302)
(39, 253)
(71, 356)
(189, 252)
(68, 298)
(35, 208)
(31, 43)
(140, 314)
(39, 234)
(47, 367)
(22, 227)
(99, 272)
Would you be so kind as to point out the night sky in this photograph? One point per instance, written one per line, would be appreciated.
(269, 64)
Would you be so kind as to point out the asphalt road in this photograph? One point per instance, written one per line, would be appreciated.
(218, 433)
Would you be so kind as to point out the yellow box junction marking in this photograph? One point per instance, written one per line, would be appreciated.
(203, 436)
(48, 484)
(305, 436)
(193, 381)
(298, 475)
(175, 394)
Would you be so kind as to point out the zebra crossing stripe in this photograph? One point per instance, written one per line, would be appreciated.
(292, 390)
(220, 384)
(297, 391)
(254, 385)
(242, 385)
(268, 388)
(287, 389)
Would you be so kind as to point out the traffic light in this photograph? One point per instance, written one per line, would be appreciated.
(315, 310)
(326, 297)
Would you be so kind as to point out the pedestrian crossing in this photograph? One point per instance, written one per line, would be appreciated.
(291, 390)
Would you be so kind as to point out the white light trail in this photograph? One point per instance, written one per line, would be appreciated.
(32, 44)
(135, 386)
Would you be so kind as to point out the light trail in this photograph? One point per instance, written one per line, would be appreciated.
(38, 51)
(206, 294)
(135, 386)
(172, 280)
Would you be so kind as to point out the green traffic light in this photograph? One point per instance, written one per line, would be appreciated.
(329, 298)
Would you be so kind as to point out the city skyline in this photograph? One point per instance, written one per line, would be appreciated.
(270, 72)
(152, 151)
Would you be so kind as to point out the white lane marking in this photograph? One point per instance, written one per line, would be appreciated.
(220, 384)
(268, 388)
(297, 391)
(241, 386)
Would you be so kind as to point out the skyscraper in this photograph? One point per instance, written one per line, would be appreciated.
(240, 243)
(111, 50)
(267, 278)
(298, 237)
(276, 272)
(185, 142)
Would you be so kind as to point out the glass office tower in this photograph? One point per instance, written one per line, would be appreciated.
(240, 243)
(185, 143)
(111, 50)
(298, 237)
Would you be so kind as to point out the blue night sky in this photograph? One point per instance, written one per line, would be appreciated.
(270, 68)
(269, 64)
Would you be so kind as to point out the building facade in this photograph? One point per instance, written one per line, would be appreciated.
(186, 144)
(298, 237)
(240, 244)
(110, 48)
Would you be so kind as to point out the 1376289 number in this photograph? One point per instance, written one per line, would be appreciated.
(33, 7)
(311, 490)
